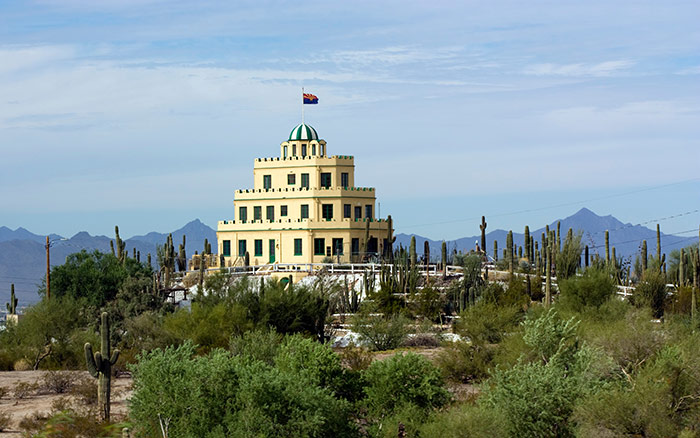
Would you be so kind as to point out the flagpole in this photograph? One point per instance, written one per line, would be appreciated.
(302, 105)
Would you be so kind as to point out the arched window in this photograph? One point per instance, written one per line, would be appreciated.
(285, 151)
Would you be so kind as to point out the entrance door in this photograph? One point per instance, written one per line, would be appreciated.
(272, 251)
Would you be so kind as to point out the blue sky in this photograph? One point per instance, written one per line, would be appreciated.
(148, 114)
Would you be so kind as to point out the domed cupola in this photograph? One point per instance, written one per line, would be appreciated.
(303, 132)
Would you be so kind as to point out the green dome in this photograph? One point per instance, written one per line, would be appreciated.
(303, 132)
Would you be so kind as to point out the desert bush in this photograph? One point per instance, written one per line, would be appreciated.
(5, 421)
(259, 344)
(356, 358)
(466, 362)
(84, 389)
(381, 333)
(630, 340)
(403, 379)
(4, 392)
(426, 340)
(592, 289)
(23, 390)
(651, 292)
(487, 322)
(237, 396)
(32, 423)
(22, 365)
(537, 398)
(660, 400)
(464, 421)
(58, 382)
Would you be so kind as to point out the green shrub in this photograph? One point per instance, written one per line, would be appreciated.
(487, 322)
(658, 401)
(651, 292)
(464, 421)
(537, 399)
(466, 362)
(403, 379)
(5, 421)
(237, 396)
(258, 344)
(381, 333)
(592, 289)
(355, 358)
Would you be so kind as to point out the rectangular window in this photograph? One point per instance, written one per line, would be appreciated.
(305, 180)
(291, 179)
(319, 246)
(347, 210)
(257, 213)
(227, 248)
(285, 152)
(303, 150)
(258, 247)
(325, 180)
(358, 212)
(338, 246)
(283, 210)
(355, 246)
(241, 248)
(294, 150)
(327, 211)
(243, 214)
(344, 179)
(270, 212)
(267, 181)
(297, 247)
(313, 149)
(305, 211)
(368, 211)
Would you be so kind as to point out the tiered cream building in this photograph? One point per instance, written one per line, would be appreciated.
(304, 207)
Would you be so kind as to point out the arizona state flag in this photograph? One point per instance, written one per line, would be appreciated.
(310, 99)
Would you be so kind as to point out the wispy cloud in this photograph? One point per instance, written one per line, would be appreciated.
(607, 68)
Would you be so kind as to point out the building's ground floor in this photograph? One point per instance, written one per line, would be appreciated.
(342, 245)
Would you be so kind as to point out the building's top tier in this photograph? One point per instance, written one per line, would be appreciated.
(303, 143)
(303, 132)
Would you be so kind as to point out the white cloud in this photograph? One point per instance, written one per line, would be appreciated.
(607, 68)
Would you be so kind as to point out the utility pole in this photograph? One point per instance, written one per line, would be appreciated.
(48, 270)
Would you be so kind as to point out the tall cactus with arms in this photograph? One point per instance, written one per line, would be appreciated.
(99, 366)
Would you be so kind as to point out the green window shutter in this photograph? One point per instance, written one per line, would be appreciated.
(227, 248)
(258, 248)
(297, 247)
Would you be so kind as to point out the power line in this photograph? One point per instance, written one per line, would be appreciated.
(566, 204)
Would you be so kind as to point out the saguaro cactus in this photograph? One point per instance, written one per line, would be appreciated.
(509, 250)
(483, 233)
(444, 259)
(607, 247)
(658, 246)
(495, 250)
(426, 253)
(119, 244)
(12, 305)
(389, 248)
(412, 252)
(548, 281)
(526, 242)
(99, 366)
(645, 257)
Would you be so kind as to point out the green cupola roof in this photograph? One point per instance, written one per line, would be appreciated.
(303, 132)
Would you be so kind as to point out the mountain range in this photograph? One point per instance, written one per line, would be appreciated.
(626, 238)
(23, 254)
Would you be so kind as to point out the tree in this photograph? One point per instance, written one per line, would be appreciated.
(94, 277)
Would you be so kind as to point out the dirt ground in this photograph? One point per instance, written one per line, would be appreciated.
(41, 400)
